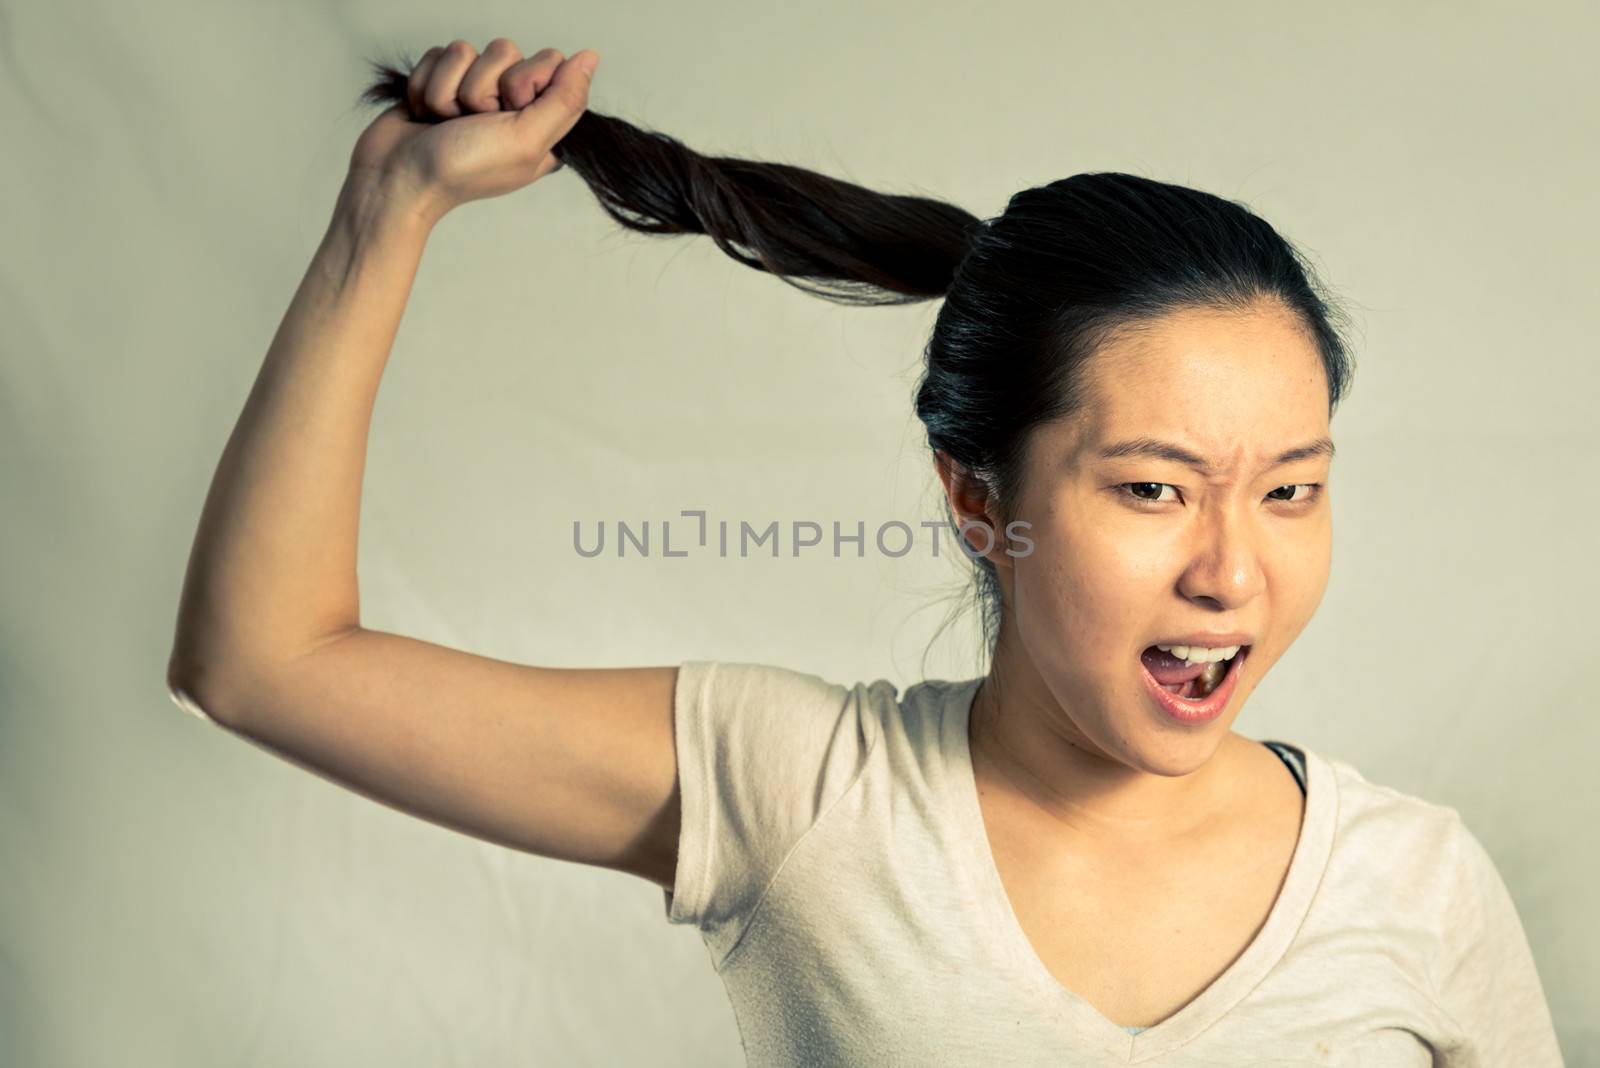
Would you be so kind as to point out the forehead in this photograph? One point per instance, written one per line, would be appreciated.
(1232, 386)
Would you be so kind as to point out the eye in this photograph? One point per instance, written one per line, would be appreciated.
(1313, 491)
(1149, 493)
(1137, 491)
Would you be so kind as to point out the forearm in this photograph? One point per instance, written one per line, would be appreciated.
(273, 565)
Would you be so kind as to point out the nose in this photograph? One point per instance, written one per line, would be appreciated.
(1224, 569)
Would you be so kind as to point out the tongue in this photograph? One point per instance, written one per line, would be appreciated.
(1167, 669)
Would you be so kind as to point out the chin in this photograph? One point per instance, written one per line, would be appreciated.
(1179, 756)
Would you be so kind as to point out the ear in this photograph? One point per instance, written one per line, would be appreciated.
(974, 508)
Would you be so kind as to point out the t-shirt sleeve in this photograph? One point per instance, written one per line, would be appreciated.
(762, 753)
(1485, 978)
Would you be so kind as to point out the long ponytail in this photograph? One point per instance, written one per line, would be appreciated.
(831, 238)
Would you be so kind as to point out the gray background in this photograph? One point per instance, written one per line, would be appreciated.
(171, 896)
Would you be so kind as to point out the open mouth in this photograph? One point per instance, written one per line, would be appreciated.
(1192, 676)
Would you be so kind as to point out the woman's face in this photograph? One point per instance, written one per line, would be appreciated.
(1137, 549)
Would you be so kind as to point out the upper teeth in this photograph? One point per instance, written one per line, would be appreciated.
(1197, 654)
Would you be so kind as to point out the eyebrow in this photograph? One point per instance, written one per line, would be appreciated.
(1165, 450)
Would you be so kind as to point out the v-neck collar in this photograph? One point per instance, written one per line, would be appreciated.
(1306, 867)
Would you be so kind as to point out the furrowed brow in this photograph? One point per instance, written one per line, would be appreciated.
(1155, 449)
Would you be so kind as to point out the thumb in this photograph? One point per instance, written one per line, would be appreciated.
(558, 108)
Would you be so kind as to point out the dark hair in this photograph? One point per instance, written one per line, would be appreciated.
(1028, 295)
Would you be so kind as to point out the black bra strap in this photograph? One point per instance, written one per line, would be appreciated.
(1291, 757)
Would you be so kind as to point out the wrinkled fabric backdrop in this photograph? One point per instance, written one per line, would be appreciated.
(172, 895)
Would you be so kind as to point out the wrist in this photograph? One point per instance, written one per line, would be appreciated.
(373, 199)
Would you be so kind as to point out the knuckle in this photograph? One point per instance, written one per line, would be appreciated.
(458, 47)
(438, 101)
(500, 45)
(548, 53)
(424, 63)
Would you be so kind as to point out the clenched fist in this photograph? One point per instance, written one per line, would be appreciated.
(476, 125)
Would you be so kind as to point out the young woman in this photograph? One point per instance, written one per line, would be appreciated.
(1071, 860)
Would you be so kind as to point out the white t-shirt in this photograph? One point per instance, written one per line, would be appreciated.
(834, 860)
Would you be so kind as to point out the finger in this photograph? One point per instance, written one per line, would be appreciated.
(525, 80)
(480, 86)
(444, 81)
(418, 79)
(558, 108)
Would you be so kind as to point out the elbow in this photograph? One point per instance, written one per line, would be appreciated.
(185, 699)
(185, 689)
(218, 688)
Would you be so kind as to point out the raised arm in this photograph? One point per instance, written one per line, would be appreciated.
(272, 572)
(572, 763)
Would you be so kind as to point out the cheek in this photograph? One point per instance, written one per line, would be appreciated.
(1299, 580)
(1297, 574)
(1082, 591)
